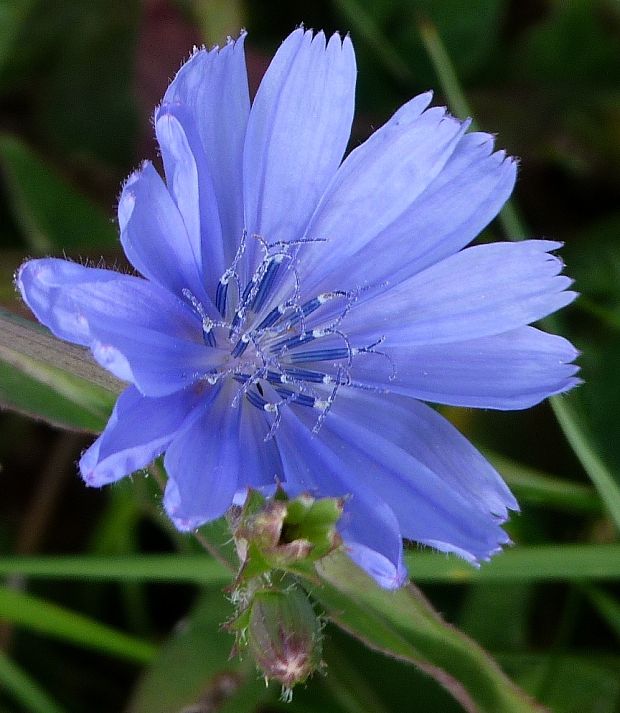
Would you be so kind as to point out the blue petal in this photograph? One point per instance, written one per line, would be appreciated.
(419, 430)
(259, 459)
(480, 291)
(190, 184)
(203, 463)
(462, 199)
(138, 331)
(42, 282)
(210, 98)
(372, 538)
(297, 133)
(368, 526)
(379, 181)
(514, 370)
(155, 239)
(138, 431)
(379, 567)
(219, 452)
(442, 492)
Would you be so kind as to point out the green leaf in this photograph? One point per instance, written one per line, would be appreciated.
(578, 435)
(540, 563)
(521, 564)
(591, 414)
(402, 624)
(52, 380)
(24, 689)
(197, 569)
(353, 691)
(44, 617)
(496, 614)
(194, 668)
(50, 212)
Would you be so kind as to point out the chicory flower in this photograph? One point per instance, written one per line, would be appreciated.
(293, 310)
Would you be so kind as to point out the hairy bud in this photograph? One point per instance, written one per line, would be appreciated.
(284, 636)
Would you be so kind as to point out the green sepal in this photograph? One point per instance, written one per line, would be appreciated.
(282, 534)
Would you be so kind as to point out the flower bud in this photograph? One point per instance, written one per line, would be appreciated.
(284, 636)
(284, 534)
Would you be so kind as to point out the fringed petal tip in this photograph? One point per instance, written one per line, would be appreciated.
(484, 553)
(202, 50)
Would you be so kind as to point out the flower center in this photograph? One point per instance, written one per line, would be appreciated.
(284, 350)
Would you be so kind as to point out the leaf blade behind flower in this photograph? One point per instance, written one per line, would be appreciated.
(50, 380)
(402, 624)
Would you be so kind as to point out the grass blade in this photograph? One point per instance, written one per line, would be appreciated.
(537, 563)
(538, 488)
(44, 617)
(197, 569)
(24, 689)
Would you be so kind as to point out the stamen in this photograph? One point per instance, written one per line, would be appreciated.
(221, 292)
(207, 322)
(277, 364)
(297, 341)
(325, 406)
(272, 317)
(315, 377)
(371, 350)
(312, 305)
(256, 400)
(267, 282)
(319, 355)
(296, 397)
(240, 346)
(260, 373)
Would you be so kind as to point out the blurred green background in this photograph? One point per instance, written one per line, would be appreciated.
(78, 83)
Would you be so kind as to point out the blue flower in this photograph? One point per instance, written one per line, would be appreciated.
(294, 310)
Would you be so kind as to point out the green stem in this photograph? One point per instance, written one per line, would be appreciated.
(402, 624)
